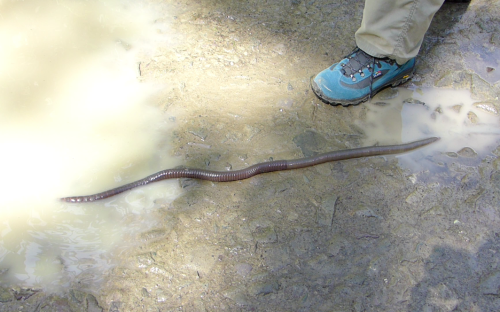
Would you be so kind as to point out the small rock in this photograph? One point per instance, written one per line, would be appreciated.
(487, 107)
(467, 152)
(413, 101)
(472, 117)
(457, 108)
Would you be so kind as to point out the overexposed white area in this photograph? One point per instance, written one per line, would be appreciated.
(74, 120)
(452, 115)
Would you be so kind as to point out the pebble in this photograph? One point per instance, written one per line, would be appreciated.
(472, 117)
(413, 101)
(467, 152)
(487, 107)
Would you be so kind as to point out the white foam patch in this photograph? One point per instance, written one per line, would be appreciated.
(417, 114)
(74, 120)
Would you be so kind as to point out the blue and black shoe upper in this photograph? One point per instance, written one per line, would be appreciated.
(358, 77)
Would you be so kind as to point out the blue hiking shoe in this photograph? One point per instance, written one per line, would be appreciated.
(359, 77)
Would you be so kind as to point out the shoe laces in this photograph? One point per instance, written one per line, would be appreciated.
(357, 61)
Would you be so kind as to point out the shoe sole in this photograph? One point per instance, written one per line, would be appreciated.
(357, 101)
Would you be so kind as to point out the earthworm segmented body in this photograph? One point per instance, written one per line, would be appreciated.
(276, 165)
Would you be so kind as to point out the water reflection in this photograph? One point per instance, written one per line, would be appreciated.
(74, 119)
(469, 131)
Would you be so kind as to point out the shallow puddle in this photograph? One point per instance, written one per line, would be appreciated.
(468, 130)
(74, 120)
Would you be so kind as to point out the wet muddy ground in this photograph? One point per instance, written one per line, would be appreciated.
(358, 235)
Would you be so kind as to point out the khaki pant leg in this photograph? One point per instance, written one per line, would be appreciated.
(395, 28)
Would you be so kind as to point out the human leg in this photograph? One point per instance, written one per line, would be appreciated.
(395, 28)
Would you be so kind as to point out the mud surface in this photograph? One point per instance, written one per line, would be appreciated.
(358, 235)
